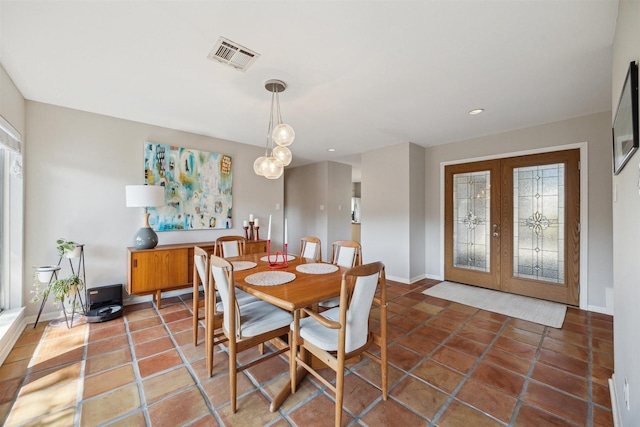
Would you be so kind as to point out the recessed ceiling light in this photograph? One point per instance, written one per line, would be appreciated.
(476, 111)
(331, 150)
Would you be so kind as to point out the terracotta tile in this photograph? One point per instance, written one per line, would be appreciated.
(140, 314)
(601, 345)
(499, 378)
(208, 420)
(438, 375)
(574, 317)
(134, 420)
(531, 416)
(561, 380)
(217, 388)
(370, 371)
(600, 394)
(485, 324)
(476, 334)
(43, 380)
(492, 317)
(403, 322)
(438, 302)
(177, 315)
(427, 308)
(21, 353)
(506, 360)
(148, 334)
(418, 315)
(420, 397)
(418, 343)
(220, 365)
(459, 361)
(13, 369)
(106, 361)
(515, 347)
(358, 394)
(390, 413)
(304, 390)
(166, 383)
(107, 345)
(531, 338)
(561, 361)
(548, 399)
(253, 410)
(61, 330)
(395, 307)
(602, 324)
(193, 353)
(108, 380)
(180, 325)
(107, 332)
(568, 336)
(458, 414)
(431, 333)
(604, 334)
(603, 359)
(60, 345)
(9, 390)
(601, 375)
(150, 348)
(159, 362)
(110, 405)
(461, 308)
(601, 316)
(466, 346)
(61, 418)
(48, 361)
(407, 302)
(46, 401)
(402, 357)
(144, 323)
(30, 335)
(487, 399)
(566, 348)
(269, 369)
(602, 417)
(574, 327)
(525, 325)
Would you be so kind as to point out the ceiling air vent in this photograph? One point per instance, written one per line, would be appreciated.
(232, 54)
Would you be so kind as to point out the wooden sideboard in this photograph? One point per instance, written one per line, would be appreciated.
(169, 267)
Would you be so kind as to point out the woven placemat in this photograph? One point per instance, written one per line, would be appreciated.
(243, 265)
(317, 268)
(270, 278)
(279, 258)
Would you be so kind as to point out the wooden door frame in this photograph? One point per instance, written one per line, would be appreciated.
(584, 204)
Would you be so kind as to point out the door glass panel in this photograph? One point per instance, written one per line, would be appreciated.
(471, 213)
(538, 216)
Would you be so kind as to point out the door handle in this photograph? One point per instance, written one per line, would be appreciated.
(495, 230)
(495, 234)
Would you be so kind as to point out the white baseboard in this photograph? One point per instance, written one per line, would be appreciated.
(615, 408)
(12, 323)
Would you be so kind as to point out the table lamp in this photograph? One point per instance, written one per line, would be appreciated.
(145, 196)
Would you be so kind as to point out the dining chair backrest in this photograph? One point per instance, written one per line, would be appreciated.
(222, 274)
(230, 246)
(311, 247)
(201, 261)
(357, 303)
(346, 253)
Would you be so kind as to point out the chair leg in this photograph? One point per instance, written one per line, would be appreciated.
(196, 303)
(293, 365)
(339, 393)
(233, 375)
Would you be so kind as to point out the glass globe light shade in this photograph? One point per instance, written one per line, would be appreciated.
(283, 154)
(257, 165)
(283, 134)
(272, 168)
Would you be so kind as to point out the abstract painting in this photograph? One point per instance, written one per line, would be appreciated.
(197, 187)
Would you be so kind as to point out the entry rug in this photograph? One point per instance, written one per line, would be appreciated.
(532, 309)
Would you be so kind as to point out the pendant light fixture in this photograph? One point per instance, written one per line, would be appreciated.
(275, 158)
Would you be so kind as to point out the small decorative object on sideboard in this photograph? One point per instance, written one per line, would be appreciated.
(253, 224)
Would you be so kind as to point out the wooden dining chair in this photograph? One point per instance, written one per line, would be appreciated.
(345, 253)
(343, 332)
(245, 326)
(230, 246)
(213, 319)
(311, 247)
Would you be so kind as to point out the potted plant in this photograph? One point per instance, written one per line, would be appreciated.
(68, 248)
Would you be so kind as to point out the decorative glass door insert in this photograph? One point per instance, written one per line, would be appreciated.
(538, 229)
(471, 207)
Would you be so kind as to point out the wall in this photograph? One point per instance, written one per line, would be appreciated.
(392, 228)
(595, 130)
(76, 167)
(626, 232)
(318, 201)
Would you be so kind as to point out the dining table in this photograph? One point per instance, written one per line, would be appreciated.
(298, 283)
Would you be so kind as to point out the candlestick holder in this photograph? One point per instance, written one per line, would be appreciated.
(275, 264)
(251, 230)
(246, 232)
(257, 236)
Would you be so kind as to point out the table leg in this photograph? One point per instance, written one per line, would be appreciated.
(286, 390)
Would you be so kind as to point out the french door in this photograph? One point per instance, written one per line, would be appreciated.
(513, 225)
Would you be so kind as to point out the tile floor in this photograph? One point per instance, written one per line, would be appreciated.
(451, 365)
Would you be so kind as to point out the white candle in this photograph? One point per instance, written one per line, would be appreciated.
(286, 237)
(269, 229)
(245, 223)
(250, 217)
(256, 222)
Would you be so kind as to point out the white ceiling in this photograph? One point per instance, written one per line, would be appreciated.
(361, 74)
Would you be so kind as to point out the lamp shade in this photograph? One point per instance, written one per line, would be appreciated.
(144, 196)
